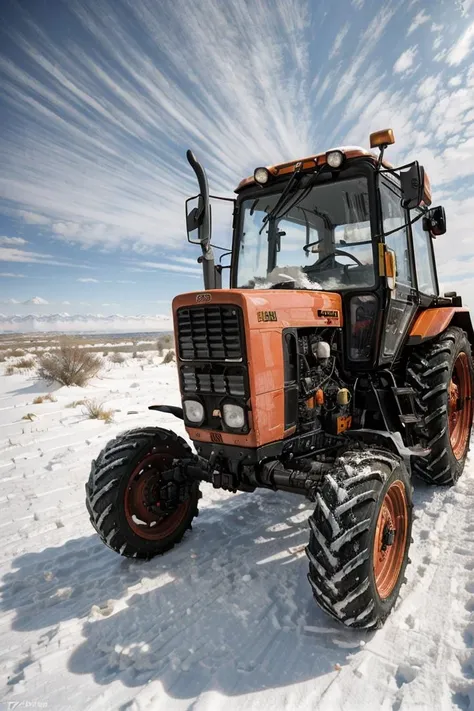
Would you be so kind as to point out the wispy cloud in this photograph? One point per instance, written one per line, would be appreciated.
(418, 20)
(88, 280)
(12, 241)
(405, 60)
(462, 47)
(11, 254)
(36, 301)
(171, 267)
(12, 275)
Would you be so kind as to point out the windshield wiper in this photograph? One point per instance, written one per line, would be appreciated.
(281, 200)
(302, 196)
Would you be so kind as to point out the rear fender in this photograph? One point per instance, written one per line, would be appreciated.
(431, 322)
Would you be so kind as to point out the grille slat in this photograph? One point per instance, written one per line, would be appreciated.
(198, 379)
(209, 333)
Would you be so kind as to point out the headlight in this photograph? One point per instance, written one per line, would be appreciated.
(194, 411)
(233, 416)
(334, 159)
(261, 176)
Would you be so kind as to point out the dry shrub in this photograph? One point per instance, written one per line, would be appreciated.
(117, 358)
(96, 411)
(69, 365)
(169, 357)
(18, 352)
(76, 403)
(23, 364)
(44, 398)
(164, 341)
(29, 416)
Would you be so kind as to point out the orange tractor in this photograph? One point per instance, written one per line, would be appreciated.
(330, 368)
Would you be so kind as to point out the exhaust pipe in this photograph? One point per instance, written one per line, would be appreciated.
(202, 217)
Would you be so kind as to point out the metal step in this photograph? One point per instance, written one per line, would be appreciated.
(403, 391)
(410, 419)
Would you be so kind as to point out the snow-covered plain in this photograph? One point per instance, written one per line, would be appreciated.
(226, 620)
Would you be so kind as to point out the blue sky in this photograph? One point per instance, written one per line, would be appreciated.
(100, 100)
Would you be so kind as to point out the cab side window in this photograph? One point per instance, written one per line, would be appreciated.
(423, 248)
(394, 216)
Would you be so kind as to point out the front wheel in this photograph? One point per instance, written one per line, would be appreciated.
(123, 493)
(360, 537)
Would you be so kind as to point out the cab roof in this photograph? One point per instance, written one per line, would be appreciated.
(311, 162)
(320, 159)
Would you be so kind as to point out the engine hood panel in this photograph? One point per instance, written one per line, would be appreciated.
(267, 308)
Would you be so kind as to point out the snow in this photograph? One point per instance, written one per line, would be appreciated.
(224, 620)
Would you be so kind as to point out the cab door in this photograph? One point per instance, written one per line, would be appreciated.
(403, 299)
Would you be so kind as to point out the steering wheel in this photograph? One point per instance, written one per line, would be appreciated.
(339, 252)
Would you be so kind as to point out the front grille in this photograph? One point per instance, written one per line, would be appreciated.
(212, 333)
(219, 380)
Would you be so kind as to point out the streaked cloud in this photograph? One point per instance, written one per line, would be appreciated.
(405, 60)
(462, 48)
(418, 20)
(36, 301)
(87, 280)
(11, 254)
(12, 275)
(12, 241)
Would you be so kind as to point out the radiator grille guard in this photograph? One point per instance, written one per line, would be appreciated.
(210, 333)
(211, 348)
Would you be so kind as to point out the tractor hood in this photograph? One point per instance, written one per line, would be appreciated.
(267, 308)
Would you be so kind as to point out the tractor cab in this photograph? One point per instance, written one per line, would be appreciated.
(342, 221)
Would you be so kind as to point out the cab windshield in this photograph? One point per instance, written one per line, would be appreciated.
(319, 239)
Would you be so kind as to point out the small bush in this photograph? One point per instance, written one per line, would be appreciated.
(18, 352)
(44, 398)
(169, 357)
(76, 403)
(4, 355)
(96, 411)
(69, 365)
(164, 341)
(23, 364)
(117, 358)
(29, 416)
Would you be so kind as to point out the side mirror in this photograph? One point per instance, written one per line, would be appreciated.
(435, 221)
(195, 218)
(412, 183)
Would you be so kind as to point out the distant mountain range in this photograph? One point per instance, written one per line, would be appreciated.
(65, 322)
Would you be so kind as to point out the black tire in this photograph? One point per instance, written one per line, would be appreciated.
(109, 481)
(342, 534)
(429, 373)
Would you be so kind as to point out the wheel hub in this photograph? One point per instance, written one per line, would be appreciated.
(459, 406)
(390, 539)
(144, 513)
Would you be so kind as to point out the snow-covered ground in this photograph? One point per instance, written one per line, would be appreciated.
(226, 620)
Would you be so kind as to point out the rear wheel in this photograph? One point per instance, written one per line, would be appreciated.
(360, 536)
(441, 374)
(123, 493)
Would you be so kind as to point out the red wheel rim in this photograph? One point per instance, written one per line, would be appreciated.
(390, 539)
(142, 500)
(460, 406)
